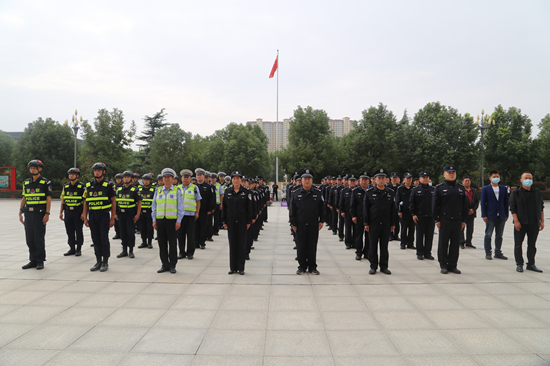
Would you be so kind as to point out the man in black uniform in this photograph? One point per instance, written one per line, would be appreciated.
(356, 212)
(333, 199)
(450, 209)
(341, 219)
(237, 218)
(100, 199)
(147, 192)
(420, 206)
(207, 207)
(118, 183)
(36, 203)
(128, 202)
(72, 199)
(135, 183)
(393, 184)
(345, 205)
(402, 199)
(379, 218)
(307, 214)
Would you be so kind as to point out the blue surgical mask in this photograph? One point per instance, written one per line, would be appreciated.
(527, 182)
(430, 183)
(495, 180)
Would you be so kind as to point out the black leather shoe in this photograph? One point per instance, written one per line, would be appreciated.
(300, 271)
(142, 245)
(189, 257)
(173, 270)
(131, 254)
(533, 268)
(241, 273)
(216, 234)
(470, 246)
(341, 239)
(255, 239)
(29, 265)
(372, 271)
(77, 253)
(181, 256)
(150, 246)
(455, 270)
(347, 246)
(357, 257)
(116, 236)
(70, 252)
(315, 272)
(334, 233)
(462, 246)
(203, 246)
(252, 247)
(209, 239)
(403, 247)
(488, 257)
(294, 247)
(162, 270)
(104, 266)
(519, 268)
(411, 247)
(501, 256)
(40, 265)
(385, 271)
(124, 253)
(247, 257)
(231, 272)
(96, 267)
(296, 258)
(420, 257)
(430, 257)
(444, 270)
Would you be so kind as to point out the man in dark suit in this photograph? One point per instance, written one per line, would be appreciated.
(466, 240)
(494, 211)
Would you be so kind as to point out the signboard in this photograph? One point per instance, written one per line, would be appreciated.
(7, 178)
(4, 181)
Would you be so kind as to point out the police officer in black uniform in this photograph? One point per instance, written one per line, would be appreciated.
(100, 199)
(147, 192)
(333, 199)
(35, 204)
(361, 236)
(420, 206)
(129, 209)
(394, 184)
(72, 204)
(118, 183)
(402, 198)
(237, 213)
(208, 203)
(380, 219)
(450, 210)
(345, 206)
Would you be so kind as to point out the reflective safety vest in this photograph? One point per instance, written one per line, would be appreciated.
(218, 185)
(189, 201)
(124, 200)
(35, 196)
(147, 195)
(167, 204)
(97, 198)
(73, 198)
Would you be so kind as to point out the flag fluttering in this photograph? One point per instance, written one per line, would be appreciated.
(274, 68)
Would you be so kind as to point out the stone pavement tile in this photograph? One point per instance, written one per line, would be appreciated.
(455, 289)
(365, 360)
(223, 278)
(422, 342)
(298, 361)
(482, 302)
(334, 290)
(438, 302)
(123, 288)
(84, 286)
(291, 279)
(191, 319)
(14, 357)
(107, 338)
(18, 297)
(252, 303)
(537, 340)
(146, 301)
(233, 342)
(293, 303)
(185, 302)
(403, 320)
(240, 320)
(378, 303)
(376, 290)
(206, 290)
(330, 303)
(545, 357)
(419, 289)
(4, 309)
(86, 358)
(294, 320)
(249, 290)
(297, 343)
(329, 279)
(58, 298)
(252, 278)
(105, 300)
(349, 320)
(164, 288)
(45, 285)
(536, 288)
(291, 290)
(214, 360)
(527, 301)
(485, 341)
(32, 314)
(510, 360)
(133, 317)
(11, 332)
(454, 360)
(456, 319)
(500, 288)
(49, 337)
(81, 316)
(511, 318)
(360, 343)
(542, 315)
(10, 285)
(284, 270)
(72, 274)
(155, 359)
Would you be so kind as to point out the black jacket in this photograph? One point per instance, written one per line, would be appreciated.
(420, 203)
(307, 207)
(450, 202)
(237, 206)
(379, 207)
(475, 202)
(519, 204)
(357, 200)
(402, 197)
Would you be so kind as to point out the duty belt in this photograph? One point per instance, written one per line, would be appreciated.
(33, 209)
(127, 210)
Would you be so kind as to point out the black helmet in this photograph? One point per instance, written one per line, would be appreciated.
(135, 175)
(99, 166)
(36, 163)
(128, 173)
(159, 177)
(147, 176)
(74, 171)
(118, 176)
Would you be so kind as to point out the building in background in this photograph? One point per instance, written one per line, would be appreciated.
(339, 128)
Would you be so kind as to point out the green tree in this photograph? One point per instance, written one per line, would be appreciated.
(106, 141)
(169, 149)
(508, 144)
(542, 149)
(6, 149)
(48, 141)
(152, 125)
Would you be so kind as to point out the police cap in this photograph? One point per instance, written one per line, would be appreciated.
(423, 174)
(159, 177)
(352, 178)
(364, 175)
(407, 175)
(339, 178)
(207, 174)
(221, 174)
(381, 173)
(36, 163)
(199, 171)
(186, 173)
(236, 173)
(449, 168)
(394, 175)
(227, 178)
(308, 173)
(168, 172)
(213, 175)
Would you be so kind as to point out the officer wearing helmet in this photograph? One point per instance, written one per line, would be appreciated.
(118, 183)
(35, 204)
(128, 211)
(147, 192)
(99, 215)
(70, 212)
(160, 181)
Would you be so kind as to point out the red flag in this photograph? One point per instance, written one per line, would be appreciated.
(274, 68)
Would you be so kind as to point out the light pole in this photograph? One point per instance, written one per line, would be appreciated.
(483, 125)
(74, 126)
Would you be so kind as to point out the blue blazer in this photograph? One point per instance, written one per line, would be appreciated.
(489, 204)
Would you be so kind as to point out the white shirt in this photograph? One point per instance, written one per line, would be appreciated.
(496, 190)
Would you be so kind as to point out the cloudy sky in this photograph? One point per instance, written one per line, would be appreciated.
(208, 62)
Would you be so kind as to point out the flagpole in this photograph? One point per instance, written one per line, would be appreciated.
(277, 129)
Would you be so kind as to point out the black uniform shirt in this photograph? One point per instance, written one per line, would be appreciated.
(307, 207)
(356, 204)
(73, 195)
(237, 206)
(345, 200)
(402, 197)
(420, 202)
(208, 196)
(37, 191)
(450, 202)
(379, 207)
(127, 193)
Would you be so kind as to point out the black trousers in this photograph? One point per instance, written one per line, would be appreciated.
(407, 230)
(99, 229)
(361, 239)
(201, 230)
(379, 234)
(276, 195)
(35, 233)
(168, 243)
(469, 229)
(127, 228)
(186, 235)
(424, 236)
(335, 216)
(73, 227)
(217, 220)
(146, 221)
(236, 233)
(341, 225)
(532, 231)
(396, 231)
(117, 227)
(307, 236)
(209, 226)
(328, 216)
(349, 233)
(449, 243)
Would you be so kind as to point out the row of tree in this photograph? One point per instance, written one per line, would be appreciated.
(437, 135)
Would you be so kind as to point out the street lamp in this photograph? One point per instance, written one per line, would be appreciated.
(74, 126)
(483, 125)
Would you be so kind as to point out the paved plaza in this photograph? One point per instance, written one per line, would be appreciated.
(130, 315)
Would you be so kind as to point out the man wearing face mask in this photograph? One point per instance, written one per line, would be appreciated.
(527, 209)
(494, 211)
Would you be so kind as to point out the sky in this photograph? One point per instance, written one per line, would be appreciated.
(208, 62)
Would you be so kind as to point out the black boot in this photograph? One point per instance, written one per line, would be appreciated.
(131, 253)
(150, 244)
(96, 266)
(104, 264)
(124, 252)
(78, 251)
